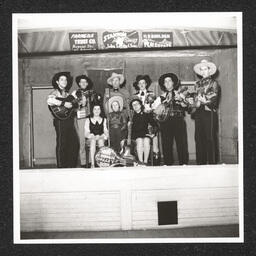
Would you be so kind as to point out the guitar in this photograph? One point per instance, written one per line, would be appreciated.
(107, 157)
(179, 97)
(61, 112)
(129, 147)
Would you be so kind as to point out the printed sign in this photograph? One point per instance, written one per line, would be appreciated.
(120, 40)
(157, 39)
(81, 41)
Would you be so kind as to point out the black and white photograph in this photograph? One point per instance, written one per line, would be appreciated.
(127, 127)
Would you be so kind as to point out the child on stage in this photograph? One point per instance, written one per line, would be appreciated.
(117, 122)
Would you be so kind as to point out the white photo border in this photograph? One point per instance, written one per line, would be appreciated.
(16, 168)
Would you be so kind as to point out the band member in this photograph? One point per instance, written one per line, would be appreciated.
(86, 98)
(147, 97)
(140, 132)
(141, 86)
(95, 130)
(117, 122)
(206, 120)
(116, 83)
(66, 136)
(173, 126)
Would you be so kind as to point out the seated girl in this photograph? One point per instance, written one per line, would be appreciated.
(140, 132)
(147, 97)
(117, 122)
(96, 130)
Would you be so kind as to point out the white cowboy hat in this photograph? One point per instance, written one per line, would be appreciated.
(114, 75)
(205, 63)
(119, 99)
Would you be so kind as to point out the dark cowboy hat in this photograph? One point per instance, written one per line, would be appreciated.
(174, 78)
(136, 99)
(56, 78)
(142, 77)
(89, 81)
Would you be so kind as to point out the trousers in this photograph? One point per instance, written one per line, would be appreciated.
(206, 126)
(80, 131)
(67, 145)
(174, 128)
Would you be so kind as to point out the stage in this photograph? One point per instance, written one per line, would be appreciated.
(130, 199)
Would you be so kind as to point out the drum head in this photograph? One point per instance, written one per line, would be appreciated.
(106, 157)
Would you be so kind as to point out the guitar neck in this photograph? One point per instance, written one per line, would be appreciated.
(129, 132)
(129, 137)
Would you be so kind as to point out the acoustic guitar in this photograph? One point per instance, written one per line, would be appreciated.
(61, 112)
(129, 147)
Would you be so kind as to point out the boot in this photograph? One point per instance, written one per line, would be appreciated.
(156, 159)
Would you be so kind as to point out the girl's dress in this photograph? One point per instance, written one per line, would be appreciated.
(140, 124)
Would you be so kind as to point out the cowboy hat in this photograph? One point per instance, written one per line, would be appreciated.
(174, 78)
(89, 81)
(142, 77)
(205, 63)
(108, 104)
(114, 75)
(58, 75)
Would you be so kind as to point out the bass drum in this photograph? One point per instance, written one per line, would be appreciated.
(161, 113)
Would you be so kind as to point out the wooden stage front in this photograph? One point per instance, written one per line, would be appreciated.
(127, 199)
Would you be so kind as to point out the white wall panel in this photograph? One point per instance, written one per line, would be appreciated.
(126, 198)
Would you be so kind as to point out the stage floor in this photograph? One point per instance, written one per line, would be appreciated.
(191, 232)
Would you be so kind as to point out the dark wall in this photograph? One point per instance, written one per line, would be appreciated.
(38, 71)
(228, 110)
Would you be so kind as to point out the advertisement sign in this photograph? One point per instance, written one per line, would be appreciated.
(120, 40)
(157, 39)
(82, 41)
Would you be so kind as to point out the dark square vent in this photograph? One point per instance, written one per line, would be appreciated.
(167, 213)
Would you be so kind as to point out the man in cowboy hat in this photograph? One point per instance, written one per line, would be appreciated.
(86, 98)
(66, 136)
(205, 113)
(116, 83)
(173, 126)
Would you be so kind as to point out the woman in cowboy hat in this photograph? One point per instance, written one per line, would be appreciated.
(86, 98)
(116, 83)
(140, 133)
(66, 136)
(141, 86)
(117, 122)
(205, 113)
(147, 98)
(174, 126)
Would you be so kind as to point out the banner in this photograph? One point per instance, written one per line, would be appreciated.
(157, 39)
(61, 41)
(120, 40)
(83, 41)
